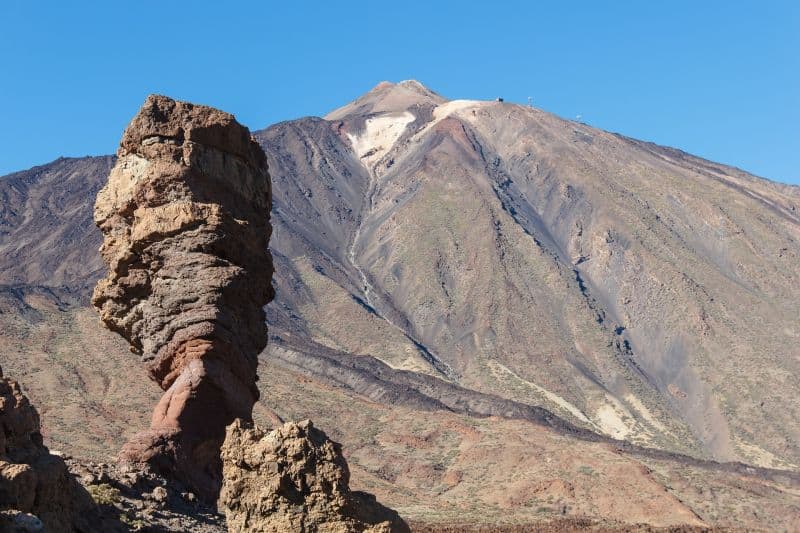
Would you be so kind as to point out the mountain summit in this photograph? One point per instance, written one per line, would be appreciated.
(388, 97)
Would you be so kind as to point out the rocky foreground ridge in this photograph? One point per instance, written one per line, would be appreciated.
(290, 479)
(47, 492)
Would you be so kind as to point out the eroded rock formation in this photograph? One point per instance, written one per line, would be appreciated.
(32, 480)
(294, 478)
(185, 221)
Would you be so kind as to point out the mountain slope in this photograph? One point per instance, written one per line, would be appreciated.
(45, 224)
(550, 263)
(448, 261)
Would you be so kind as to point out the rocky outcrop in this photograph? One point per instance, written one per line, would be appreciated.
(185, 222)
(35, 486)
(128, 498)
(294, 478)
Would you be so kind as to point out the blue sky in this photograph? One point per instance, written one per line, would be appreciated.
(718, 79)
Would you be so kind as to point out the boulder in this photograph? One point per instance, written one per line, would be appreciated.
(294, 478)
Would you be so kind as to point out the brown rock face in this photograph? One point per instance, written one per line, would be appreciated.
(31, 479)
(185, 222)
(294, 478)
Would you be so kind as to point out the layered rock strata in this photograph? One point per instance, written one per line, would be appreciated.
(294, 478)
(36, 489)
(185, 223)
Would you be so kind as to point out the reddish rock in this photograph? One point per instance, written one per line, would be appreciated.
(185, 222)
(32, 480)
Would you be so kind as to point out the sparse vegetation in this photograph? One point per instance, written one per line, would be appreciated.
(104, 494)
(136, 524)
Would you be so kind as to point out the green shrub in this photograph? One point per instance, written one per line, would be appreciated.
(132, 522)
(104, 494)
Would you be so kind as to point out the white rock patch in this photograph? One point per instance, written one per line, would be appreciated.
(379, 135)
(610, 419)
(645, 412)
(453, 106)
(550, 396)
(449, 108)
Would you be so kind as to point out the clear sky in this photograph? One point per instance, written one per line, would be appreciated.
(718, 79)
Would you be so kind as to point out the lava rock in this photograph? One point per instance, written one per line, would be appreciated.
(294, 478)
(185, 223)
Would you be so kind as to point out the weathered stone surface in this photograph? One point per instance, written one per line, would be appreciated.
(32, 480)
(131, 497)
(17, 522)
(294, 478)
(185, 222)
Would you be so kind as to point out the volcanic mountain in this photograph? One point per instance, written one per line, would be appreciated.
(457, 282)
(634, 290)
